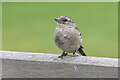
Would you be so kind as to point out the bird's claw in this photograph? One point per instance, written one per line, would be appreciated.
(75, 54)
(61, 56)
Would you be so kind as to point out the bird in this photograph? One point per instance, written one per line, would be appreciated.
(68, 37)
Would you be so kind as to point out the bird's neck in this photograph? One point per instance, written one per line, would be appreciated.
(66, 25)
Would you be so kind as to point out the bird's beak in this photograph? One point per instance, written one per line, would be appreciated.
(56, 19)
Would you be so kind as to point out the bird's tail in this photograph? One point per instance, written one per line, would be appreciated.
(81, 51)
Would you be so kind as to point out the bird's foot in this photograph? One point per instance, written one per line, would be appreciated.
(75, 54)
(63, 54)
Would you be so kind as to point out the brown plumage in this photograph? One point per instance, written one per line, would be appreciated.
(68, 37)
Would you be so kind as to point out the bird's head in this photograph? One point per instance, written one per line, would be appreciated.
(64, 20)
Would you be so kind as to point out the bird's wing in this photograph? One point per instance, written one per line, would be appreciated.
(78, 30)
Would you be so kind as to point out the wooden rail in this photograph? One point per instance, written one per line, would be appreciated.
(41, 65)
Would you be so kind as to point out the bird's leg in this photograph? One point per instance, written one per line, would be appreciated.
(75, 54)
(63, 54)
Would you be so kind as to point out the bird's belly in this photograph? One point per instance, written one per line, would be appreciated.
(68, 47)
(67, 43)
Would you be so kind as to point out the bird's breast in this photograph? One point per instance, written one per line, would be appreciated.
(67, 39)
(63, 35)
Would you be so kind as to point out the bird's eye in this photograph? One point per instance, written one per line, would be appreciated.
(65, 20)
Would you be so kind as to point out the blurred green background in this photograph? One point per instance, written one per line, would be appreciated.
(29, 26)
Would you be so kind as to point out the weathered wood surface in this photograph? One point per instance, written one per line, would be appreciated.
(40, 65)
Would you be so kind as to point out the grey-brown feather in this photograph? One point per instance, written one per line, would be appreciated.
(67, 36)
